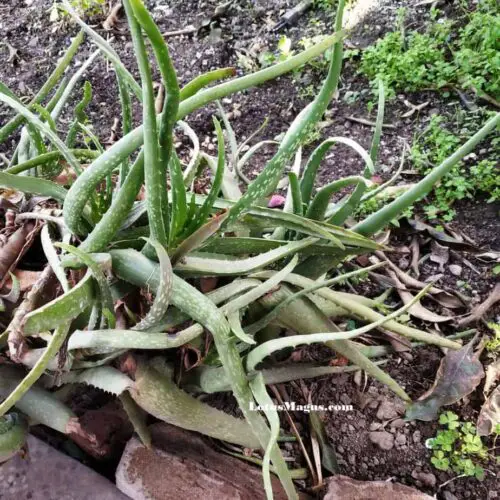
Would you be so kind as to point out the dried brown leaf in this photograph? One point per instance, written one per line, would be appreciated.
(459, 373)
(489, 416)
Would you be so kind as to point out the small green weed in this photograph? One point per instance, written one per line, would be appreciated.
(434, 145)
(440, 57)
(457, 447)
(493, 345)
(82, 7)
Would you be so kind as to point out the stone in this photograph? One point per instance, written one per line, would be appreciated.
(345, 488)
(382, 439)
(388, 410)
(398, 423)
(400, 439)
(448, 495)
(47, 473)
(181, 464)
(426, 478)
(455, 269)
(417, 436)
(375, 426)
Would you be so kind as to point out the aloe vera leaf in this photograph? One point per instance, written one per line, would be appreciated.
(376, 192)
(233, 145)
(198, 237)
(163, 292)
(246, 157)
(190, 170)
(265, 287)
(102, 282)
(84, 186)
(206, 208)
(377, 133)
(179, 200)
(197, 83)
(171, 103)
(51, 82)
(105, 378)
(242, 246)
(319, 229)
(296, 196)
(112, 220)
(69, 90)
(109, 340)
(199, 265)
(56, 342)
(53, 258)
(85, 154)
(15, 290)
(262, 351)
(272, 315)
(201, 309)
(260, 393)
(62, 309)
(355, 305)
(104, 340)
(154, 168)
(126, 107)
(38, 404)
(301, 126)
(80, 115)
(233, 318)
(160, 397)
(13, 435)
(213, 379)
(305, 318)
(137, 418)
(32, 185)
(43, 128)
(319, 204)
(376, 221)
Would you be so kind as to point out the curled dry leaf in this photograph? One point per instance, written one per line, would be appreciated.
(492, 376)
(439, 254)
(459, 373)
(489, 416)
(442, 237)
(417, 310)
(113, 17)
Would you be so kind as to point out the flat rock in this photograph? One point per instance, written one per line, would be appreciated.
(181, 464)
(389, 410)
(345, 488)
(383, 439)
(47, 474)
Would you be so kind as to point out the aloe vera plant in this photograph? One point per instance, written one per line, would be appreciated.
(266, 256)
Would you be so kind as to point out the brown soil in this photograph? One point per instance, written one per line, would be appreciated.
(25, 26)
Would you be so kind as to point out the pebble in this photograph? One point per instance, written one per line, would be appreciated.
(455, 269)
(340, 449)
(426, 478)
(375, 426)
(416, 437)
(382, 439)
(388, 410)
(398, 423)
(351, 458)
(400, 439)
(447, 495)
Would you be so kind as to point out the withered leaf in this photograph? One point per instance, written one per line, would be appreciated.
(489, 415)
(458, 375)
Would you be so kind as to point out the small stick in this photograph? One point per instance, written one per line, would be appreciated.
(362, 121)
(479, 311)
(184, 31)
